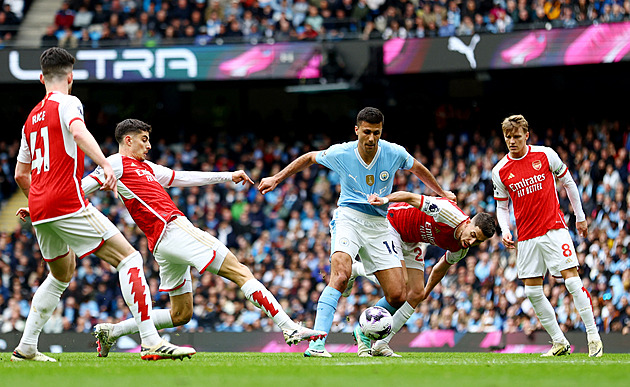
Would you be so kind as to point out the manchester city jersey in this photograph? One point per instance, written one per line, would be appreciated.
(358, 179)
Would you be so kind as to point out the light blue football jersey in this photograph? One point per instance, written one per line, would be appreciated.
(358, 179)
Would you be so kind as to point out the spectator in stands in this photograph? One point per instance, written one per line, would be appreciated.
(49, 39)
(64, 17)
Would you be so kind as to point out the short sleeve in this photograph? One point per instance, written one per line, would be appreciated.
(500, 193)
(24, 154)
(556, 165)
(71, 110)
(163, 175)
(329, 157)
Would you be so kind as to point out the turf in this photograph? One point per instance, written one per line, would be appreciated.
(345, 370)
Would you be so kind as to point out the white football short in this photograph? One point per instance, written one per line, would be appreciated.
(84, 232)
(182, 246)
(356, 233)
(412, 253)
(553, 251)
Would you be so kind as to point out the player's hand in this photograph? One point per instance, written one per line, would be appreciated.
(508, 241)
(267, 184)
(110, 183)
(450, 196)
(582, 228)
(375, 200)
(23, 213)
(241, 176)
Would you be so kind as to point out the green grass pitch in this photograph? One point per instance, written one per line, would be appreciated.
(223, 369)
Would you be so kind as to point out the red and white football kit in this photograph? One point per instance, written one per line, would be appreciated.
(543, 238)
(176, 244)
(434, 223)
(61, 215)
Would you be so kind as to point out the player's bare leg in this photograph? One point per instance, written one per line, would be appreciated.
(44, 302)
(582, 302)
(546, 316)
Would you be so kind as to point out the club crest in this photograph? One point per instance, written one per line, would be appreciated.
(384, 175)
(369, 179)
(537, 165)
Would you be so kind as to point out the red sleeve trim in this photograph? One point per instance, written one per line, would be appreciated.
(96, 178)
(171, 181)
(564, 173)
(501, 199)
(74, 119)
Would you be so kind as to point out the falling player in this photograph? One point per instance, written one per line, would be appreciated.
(414, 222)
(49, 168)
(177, 244)
(527, 175)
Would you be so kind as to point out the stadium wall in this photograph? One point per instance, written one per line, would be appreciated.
(598, 43)
(428, 341)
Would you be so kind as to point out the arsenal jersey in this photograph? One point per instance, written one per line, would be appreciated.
(530, 183)
(141, 187)
(56, 160)
(437, 229)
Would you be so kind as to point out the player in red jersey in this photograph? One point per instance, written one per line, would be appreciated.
(527, 175)
(414, 222)
(175, 242)
(49, 170)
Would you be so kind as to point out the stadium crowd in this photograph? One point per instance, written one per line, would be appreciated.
(284, 238)
(99, 23)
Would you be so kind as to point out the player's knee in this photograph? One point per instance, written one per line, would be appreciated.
(181, 317)
(396, 298)
(414, 297)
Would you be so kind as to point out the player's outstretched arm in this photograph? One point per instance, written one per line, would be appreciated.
(437, 273)
(398, 196)
(270, 183)
(427, 178)
(170, 178)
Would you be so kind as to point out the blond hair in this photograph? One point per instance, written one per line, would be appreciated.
(513, 123)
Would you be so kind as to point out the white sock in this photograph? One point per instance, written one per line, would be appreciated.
(161, 318)
(260, 296)
(582, 302)
(44, 302)
(545, 313)
(400, 318)
(135, 291)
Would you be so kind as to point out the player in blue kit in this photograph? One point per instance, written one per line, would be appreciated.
(366, 166)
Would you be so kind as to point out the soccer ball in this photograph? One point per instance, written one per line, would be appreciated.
(376, 322)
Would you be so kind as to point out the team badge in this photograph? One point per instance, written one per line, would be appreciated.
(344, 241)
(369, 179)
(383, 176)
(537, 165)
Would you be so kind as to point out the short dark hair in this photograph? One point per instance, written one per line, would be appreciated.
(370, 115)
(56, 62)
(130, 126)
(485, 222)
